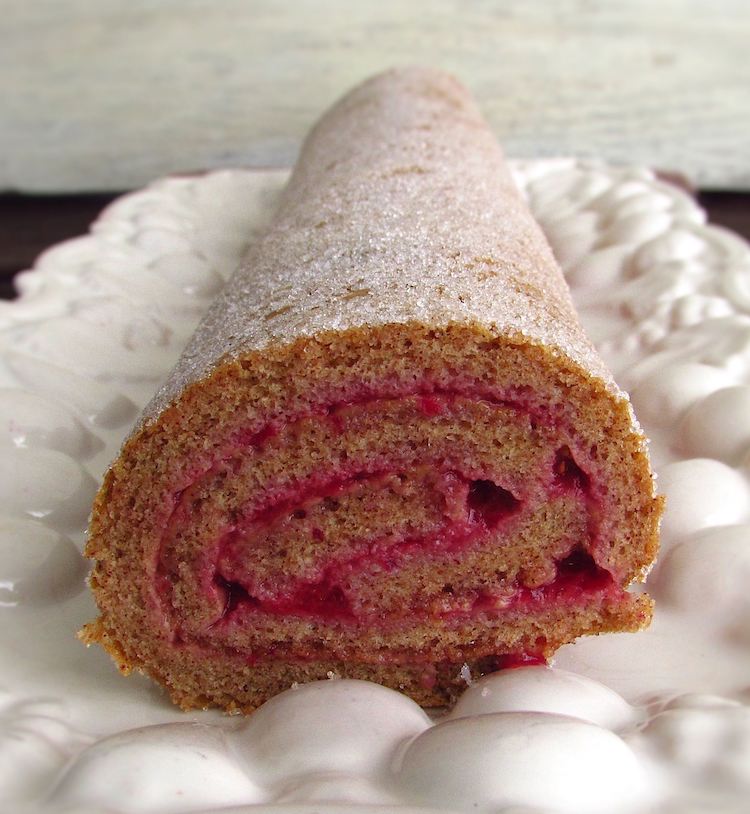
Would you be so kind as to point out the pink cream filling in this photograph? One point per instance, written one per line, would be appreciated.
(576, 577)
(489, 510)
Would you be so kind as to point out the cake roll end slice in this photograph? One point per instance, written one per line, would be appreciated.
(388, 503)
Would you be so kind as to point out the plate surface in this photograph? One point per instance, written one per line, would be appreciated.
(658, 721)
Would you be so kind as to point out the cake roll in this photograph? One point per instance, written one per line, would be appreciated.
(389, 452)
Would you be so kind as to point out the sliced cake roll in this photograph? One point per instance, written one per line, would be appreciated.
(389, 450)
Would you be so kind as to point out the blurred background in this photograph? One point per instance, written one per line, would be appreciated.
(102, 96)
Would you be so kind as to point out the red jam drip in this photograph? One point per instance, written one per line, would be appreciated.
(511, 661)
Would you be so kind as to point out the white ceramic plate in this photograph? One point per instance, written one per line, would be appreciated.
(656, 721)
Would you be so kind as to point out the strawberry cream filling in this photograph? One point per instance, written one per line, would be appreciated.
(356, 543)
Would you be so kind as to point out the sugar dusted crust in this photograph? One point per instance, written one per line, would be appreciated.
(401, 208)
(389, 449)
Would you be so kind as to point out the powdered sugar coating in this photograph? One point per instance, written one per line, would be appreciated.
(401, 209)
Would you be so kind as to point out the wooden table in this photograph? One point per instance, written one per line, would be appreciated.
(107, 95)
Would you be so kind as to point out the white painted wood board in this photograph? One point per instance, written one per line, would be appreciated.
(108, 94)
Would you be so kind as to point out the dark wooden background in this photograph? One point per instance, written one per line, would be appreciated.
(31, 223)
